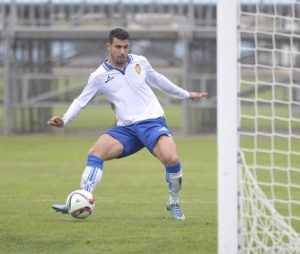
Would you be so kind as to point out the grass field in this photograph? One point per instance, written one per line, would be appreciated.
(130, 216)
(102, 117)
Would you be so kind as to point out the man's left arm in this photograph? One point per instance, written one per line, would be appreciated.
(194, 96)
(163, 84)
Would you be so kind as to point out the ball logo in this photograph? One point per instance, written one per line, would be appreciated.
(80, 204)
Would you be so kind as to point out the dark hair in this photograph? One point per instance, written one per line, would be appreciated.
(118, 33)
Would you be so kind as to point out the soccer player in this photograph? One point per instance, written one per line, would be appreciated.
(125, 80)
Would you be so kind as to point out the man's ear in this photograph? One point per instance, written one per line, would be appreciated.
(108, 45)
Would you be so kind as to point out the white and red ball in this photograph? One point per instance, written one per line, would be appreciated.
(80, 204)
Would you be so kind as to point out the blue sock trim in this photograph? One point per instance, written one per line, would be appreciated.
(94, 161)
(174, 168)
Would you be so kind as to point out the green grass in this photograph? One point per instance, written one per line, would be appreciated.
(102, 117)
(1, 88)
(97, 117)
(130, 216)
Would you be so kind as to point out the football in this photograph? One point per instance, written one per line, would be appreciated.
(80, 204)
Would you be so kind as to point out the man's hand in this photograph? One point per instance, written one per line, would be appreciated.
(56, 121)
(196, 96)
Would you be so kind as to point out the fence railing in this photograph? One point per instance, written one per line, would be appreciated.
(107, 13)
(179, 35)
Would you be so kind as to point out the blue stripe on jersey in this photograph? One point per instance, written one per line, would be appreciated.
(94, 161)
(173, 169)
(129, 58)
(105, 67)
(109, 67)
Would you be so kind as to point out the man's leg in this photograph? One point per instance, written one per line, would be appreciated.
(165, 150)
(106, 148)
(92, 173)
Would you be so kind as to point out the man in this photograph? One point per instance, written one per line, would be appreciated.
(124, 80)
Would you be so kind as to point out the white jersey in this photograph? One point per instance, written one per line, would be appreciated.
(128, 90)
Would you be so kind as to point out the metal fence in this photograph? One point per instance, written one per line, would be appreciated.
(45, 42)
(95, 13)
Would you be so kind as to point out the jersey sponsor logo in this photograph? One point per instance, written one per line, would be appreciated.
(109, 78)
(138, 68)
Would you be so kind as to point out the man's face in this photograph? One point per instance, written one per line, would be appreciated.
(118, 52)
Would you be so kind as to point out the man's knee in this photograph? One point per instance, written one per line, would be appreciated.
(170, 159)
(94, 151)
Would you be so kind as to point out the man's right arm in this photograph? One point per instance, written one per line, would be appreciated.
(88, 93)
(72, 112)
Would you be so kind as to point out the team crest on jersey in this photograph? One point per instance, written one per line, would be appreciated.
(138, 68)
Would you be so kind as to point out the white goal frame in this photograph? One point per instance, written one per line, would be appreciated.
(258, 109)
(227, 104)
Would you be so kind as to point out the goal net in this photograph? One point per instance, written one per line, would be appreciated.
(268, 133)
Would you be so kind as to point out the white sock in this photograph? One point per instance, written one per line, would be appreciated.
(92, 174)
(174, 181)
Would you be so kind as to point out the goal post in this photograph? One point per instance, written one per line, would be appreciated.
(258, 126)
(227, 126)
